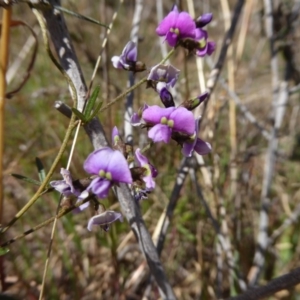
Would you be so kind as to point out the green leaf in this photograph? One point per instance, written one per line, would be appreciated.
(3, 251)
(24, 178)
(41, 169)
(79, 16)
(99, 105)
(79, 115)
(91, 102)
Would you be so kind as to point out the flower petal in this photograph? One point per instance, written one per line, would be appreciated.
(167, 23)
(160, 133)
(183, 121)
(98, 160)
(118, 167)
(105, 218)
(187, 149)
(186, 25)
(100, 187)
(116, 62)
(130, 52)
(202, 147)
(153, 114)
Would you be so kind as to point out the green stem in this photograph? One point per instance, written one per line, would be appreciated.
(61, 213)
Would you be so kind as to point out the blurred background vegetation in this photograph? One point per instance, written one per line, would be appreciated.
(98, 265)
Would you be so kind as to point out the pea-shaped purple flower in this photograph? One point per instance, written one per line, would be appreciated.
(109, 166)
(176, 26)
(166, 120)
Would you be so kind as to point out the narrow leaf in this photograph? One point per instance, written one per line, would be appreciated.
(96, 110)
(24, 178)
(79, 16)
(91, 102)
(41, 169)
(3, 251)
(79, 115)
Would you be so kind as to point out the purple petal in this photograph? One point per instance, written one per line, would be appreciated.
(202, 147)
(135, 120)
(183, 120)
(175, 8)
(204, 19)
(172, 38)
(98, 160)
(154, 114)
(118, 167)
(186, 25)
(167, 23)
(100, 187)
(166, 98)
(200, 34)
(202, 97)
(130, 51)
(141, 159)
(160, 133)
(105, 218)
(211, 46)
(62, 187)
(117, 62)
(187, 149)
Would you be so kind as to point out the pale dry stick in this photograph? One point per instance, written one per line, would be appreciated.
(59, 34)
(279, 108)
(14, 68)
(243, 32)
(222, 232)
(4, 52)
(232, 106)
(159, 16)
(128, 128)
(284, 282)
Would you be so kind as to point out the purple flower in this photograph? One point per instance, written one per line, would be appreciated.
(104, 219)
(164, 73)
(204, 47)
(66, 187)
(150, 171)
(128, 59)
(176, 26)
(161, 78)
(110, 166)
(204, 20)
(166, 120)
(195, 144)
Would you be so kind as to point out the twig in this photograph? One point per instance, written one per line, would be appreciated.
(283, 282)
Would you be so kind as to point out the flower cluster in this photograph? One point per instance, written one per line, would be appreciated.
(179, 28)
(109, 167)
